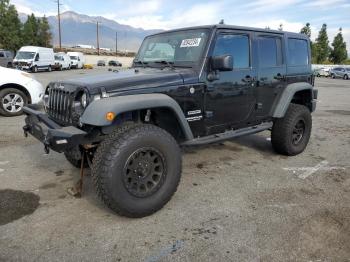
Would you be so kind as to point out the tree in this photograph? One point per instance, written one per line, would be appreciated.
(10, 26)
(30, 31)
(306, 30)
(322, 45)
(281, 27)
(339, 53)
(44, 34)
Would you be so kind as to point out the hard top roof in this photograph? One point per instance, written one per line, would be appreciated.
(234, 27)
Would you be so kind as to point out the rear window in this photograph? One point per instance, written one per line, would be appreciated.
(298, 52)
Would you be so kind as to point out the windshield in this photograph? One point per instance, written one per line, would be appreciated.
(25, 55)
(74, 57)
(59, 58)
(174, 47)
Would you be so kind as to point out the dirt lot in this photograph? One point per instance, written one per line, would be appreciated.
(237, 201)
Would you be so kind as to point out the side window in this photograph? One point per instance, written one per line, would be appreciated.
(270, 51)
(298, 52)
(2, 54)
(235, 45)
(37, 57)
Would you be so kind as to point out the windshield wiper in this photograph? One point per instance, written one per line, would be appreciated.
(140, 62)
(164, 62)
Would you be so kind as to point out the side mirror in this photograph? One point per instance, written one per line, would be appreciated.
(222, 63)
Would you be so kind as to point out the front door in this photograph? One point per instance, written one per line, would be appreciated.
(230, 100)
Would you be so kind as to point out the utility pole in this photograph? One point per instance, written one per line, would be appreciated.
(116, 44)
(98, 42)
(59, 23)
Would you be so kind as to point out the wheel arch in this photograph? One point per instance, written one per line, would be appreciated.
(19, 87)
(298, 93)
(162, 107)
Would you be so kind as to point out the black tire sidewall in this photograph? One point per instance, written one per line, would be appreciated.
(172, 157)
(6, 91)
(306, 117)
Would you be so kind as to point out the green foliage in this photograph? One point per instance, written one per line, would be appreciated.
(10, 26)
(322, 45)
(339, 53)
(14, 34)
(30, 31)
(306, 30)
(44, 34)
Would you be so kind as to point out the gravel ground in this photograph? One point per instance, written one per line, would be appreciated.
(237, 201)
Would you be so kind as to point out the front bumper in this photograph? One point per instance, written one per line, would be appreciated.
(52, 135)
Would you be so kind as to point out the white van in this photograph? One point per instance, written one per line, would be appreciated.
(62, 61)
(77, 59)
(34, 58)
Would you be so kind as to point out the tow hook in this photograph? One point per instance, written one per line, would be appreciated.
(46, 149)
(26, 129)
(77, 189)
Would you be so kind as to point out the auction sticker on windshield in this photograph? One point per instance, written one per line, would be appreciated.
(190, 42)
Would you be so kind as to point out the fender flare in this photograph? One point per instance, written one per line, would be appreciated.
(287, 96)
(96, 111)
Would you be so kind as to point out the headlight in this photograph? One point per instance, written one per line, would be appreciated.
(83, 100)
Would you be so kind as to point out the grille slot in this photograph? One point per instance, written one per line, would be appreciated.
(60, 105)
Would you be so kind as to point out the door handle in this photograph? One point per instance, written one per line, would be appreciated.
(279, 77)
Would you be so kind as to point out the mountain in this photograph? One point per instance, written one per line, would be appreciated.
(81, 29)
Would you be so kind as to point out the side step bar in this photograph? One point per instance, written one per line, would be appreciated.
(228, 135)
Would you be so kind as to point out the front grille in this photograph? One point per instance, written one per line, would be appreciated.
(60, 105)
(20, 63)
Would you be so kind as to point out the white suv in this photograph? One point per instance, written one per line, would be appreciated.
(18, 89)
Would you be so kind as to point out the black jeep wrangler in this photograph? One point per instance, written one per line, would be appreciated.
(186, 87)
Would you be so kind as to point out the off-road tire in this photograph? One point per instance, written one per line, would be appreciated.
(74, 157)
(282, 130)
(5, 92)
(112, 157)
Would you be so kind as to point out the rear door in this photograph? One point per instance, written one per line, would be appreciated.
(271, 71)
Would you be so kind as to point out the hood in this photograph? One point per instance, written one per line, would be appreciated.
(135, 79)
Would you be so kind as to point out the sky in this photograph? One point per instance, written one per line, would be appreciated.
(169, 14)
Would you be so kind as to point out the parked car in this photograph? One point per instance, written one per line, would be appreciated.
(77, 59)
(340, 72)
(114, 63)
(88, 66)
(18, 89)
(6, 58)
(186, 87)
(62, 61)
(322, 72)
(34, 58)
(101, 63)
